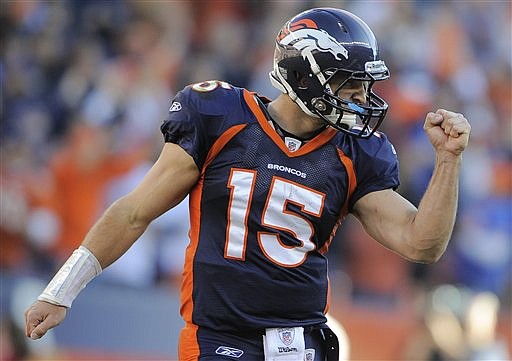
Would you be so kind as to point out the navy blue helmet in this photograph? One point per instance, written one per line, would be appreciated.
(326, 47)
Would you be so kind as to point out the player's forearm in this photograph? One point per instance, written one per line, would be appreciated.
(433, 225)
(108, 239)
(115, 232)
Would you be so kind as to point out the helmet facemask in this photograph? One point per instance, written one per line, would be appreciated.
(357, 118)
(317, 97)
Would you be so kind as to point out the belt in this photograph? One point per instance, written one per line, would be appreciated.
(261, 332)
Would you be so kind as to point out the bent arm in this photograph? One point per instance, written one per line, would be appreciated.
(164, 186)
(422, 234)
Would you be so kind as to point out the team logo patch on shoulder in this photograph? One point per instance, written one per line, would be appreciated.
(229, 351)
(175, 107)
(286, 335)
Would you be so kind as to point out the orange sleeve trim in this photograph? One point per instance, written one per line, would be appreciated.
(352, 184)
(352, 180)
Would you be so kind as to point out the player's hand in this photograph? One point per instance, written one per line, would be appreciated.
(42, 316)
(447, 131)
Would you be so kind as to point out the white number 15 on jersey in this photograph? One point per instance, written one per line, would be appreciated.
(275, 215)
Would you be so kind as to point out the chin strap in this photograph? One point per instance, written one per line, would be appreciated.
(348, 119)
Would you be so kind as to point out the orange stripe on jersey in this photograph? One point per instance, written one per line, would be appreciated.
(187, 285)
(352, 180)
(221, 142)
(313, 144)
(188, 348)
(352, 183)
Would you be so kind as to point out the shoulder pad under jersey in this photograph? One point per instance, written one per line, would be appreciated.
(211, 97)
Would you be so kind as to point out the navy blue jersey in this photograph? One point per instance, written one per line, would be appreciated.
(263, 213)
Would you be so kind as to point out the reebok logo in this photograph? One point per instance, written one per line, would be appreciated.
(229, 351)
(175, 107)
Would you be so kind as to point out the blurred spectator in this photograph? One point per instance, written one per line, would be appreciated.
(158, 255)
(380, 278)
(80, 171)
(458, 325)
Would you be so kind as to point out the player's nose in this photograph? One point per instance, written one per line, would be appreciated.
(359, 95)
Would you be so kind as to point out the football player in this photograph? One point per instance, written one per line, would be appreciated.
(269, 183)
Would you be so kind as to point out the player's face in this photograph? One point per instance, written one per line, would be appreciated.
(351, 89)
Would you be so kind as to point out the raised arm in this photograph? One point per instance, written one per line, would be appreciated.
(164, 186)
(422, 234)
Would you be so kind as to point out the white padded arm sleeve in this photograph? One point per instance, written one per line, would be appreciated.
(80, 268)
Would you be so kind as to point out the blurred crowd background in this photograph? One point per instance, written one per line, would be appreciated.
(86, 84)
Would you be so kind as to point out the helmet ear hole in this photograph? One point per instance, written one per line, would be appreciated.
(302, 81)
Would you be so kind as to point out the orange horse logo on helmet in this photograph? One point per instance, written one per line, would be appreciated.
(300, 24)
(305, 36)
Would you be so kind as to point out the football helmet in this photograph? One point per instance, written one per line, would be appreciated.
(322, 51)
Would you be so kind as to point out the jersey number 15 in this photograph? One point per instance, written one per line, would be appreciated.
(275, 215)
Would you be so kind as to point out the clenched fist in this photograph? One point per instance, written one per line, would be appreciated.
(448, 131)
(42, 316)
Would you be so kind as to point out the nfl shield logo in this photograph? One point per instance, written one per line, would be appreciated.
(286, 335)
(292, 143)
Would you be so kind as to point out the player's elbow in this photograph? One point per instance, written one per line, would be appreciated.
(130, 212)
(428, 255)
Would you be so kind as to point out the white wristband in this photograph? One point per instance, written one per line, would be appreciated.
(80, 268)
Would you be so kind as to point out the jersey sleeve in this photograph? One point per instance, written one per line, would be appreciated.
(196, 117)
(376, 167)
(184, 126)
